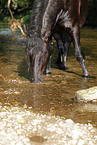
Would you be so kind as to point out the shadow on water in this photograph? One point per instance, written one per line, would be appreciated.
(23, 70)
(56, 94)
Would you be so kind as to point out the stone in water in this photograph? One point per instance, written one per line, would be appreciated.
(87, 94)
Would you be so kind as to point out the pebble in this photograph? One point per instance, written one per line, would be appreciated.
(20, 126)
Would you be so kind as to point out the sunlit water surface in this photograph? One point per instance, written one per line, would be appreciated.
(56, 94)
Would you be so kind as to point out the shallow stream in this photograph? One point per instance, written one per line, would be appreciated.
(56, 94)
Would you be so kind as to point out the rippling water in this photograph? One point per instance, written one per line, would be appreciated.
(56, 94)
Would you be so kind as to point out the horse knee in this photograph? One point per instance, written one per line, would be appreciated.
(79, 56)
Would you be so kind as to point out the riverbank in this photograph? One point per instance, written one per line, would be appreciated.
(21, 126)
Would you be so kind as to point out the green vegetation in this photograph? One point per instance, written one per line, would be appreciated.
(16, 12)
(22, 9)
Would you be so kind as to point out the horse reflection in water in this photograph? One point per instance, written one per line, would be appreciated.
(61, 19)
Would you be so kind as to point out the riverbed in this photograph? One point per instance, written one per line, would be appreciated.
(56, 95)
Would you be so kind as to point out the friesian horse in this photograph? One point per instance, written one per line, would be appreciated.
(47, 17)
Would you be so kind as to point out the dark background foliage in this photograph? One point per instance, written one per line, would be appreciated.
(19, 8)
(23, 8)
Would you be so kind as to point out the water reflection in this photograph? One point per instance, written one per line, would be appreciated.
(56, 94)
(5, 31)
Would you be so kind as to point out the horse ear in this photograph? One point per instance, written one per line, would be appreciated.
(26, 30)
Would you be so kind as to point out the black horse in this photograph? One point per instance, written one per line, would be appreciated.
(63, 39)
(69, 15)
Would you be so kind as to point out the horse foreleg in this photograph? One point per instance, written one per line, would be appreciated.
(78, 53)
(66, 38)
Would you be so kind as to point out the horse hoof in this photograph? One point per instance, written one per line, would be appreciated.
(89, 76)
(66, 68)
(48, 73)
(61, 66)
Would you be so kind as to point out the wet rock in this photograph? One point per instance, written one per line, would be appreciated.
(87, 94)
(20, 126)
(87, 107)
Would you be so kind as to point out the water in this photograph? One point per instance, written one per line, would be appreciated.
(56, 94)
